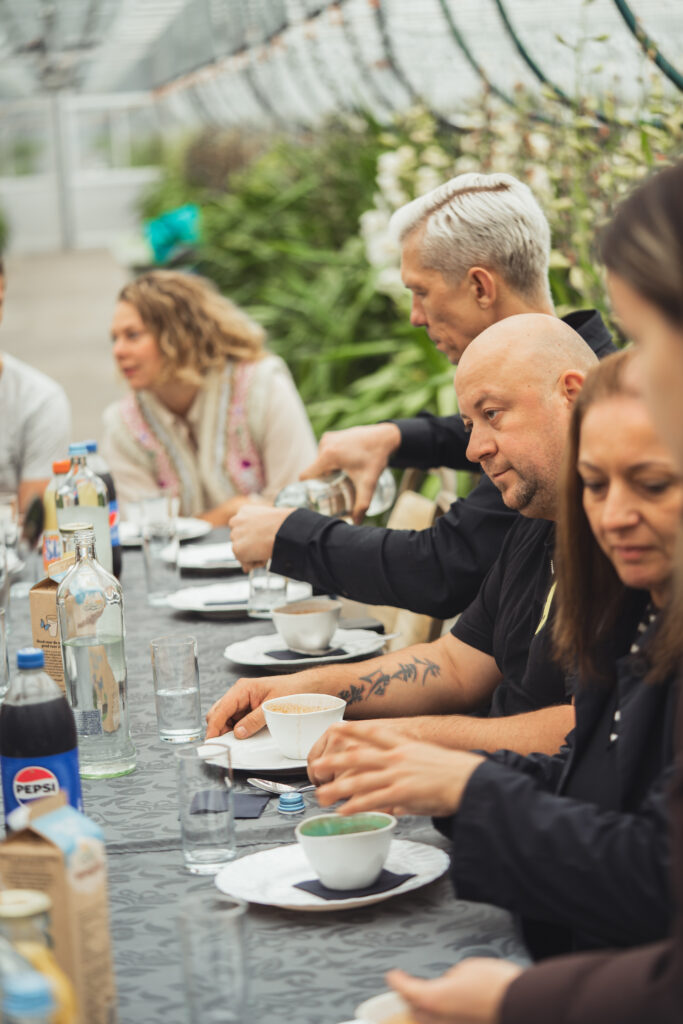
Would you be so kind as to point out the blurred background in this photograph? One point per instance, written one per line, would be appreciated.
(265, 143)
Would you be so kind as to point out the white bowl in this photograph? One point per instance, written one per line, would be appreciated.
(383, 1008)
(350, 859)
(295, 729)
(307, 626)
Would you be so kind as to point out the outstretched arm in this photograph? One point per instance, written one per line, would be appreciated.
(438, 678)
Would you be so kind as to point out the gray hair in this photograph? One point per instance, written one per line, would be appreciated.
(492, 220)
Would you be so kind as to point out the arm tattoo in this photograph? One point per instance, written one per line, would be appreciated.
(418, 670)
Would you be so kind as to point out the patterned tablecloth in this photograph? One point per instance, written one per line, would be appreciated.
(305, 968)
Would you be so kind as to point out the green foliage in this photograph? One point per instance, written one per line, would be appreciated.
(294, 230)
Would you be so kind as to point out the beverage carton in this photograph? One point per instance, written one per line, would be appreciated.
(61, 852)
(44, 621)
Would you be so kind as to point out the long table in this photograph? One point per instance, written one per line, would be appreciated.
(304, 967)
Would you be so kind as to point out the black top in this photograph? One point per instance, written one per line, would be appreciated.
(436, 571)
(508, 620)
(582, 874)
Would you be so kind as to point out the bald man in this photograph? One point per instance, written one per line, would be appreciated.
(516, 385)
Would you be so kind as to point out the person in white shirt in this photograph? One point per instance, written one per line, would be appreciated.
(35, 425)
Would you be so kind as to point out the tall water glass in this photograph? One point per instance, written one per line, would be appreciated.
(175, 674)
(214, 944)
(267, 590)
(159, 530)
(4, 655)
(207, 816)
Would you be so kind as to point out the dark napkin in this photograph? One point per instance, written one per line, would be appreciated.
(213, 801)
(287, 655)
(386, 881)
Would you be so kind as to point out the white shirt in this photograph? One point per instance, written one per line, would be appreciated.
(35, 424)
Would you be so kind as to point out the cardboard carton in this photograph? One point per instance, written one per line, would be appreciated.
(61, 852)
(44, 620)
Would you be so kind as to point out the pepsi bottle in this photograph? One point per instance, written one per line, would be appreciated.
(38, 743)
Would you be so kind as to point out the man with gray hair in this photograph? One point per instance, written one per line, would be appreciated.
(474, 252)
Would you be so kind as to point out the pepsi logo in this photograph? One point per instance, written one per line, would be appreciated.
(32, 782)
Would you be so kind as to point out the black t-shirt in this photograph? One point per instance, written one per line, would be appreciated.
(505, 617)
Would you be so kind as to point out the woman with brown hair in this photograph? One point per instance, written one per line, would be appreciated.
(212, 416)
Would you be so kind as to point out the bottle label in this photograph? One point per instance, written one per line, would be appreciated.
(88, 723)
(25, 779)
(114, 519)
(52, 547)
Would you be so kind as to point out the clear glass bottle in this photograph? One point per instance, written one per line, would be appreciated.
(90, 609)
(83, 496)
(335, 494)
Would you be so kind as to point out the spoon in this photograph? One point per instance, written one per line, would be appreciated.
(277, 787)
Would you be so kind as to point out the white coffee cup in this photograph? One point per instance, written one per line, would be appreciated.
(307, 626)
(295, 722)
(352, 853)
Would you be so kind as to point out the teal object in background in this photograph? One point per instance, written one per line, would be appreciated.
(172, 231)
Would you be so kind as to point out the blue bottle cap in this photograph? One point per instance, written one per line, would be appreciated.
(290, 803)
(30, 657)
(78, 448)
(27, 994)
(90, 445)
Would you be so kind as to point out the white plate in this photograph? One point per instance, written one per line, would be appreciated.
(355, 643)
(188, 529)
(203, 556)
(268, 877)
(229, 598)
(257, 753)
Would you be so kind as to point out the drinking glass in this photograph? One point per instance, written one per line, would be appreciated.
(214, 941)
(267, 590)
(158, 517)
(4, 656)
(205, 795)
(175, 674)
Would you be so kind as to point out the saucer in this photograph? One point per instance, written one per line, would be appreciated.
(355, 643)
(269, 876)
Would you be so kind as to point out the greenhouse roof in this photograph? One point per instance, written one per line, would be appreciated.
(294, 61)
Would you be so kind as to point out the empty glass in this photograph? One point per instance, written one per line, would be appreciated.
(205, 795)
(158, 517)
(267, 590)
(175, 674)
(4, 655)
(214, 940)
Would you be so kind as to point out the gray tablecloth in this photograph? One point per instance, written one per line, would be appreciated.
(304, 968)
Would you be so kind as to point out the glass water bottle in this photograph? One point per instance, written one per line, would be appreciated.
(335, 494)
(90, 609)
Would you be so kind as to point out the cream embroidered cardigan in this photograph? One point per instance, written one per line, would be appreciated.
(251, 430)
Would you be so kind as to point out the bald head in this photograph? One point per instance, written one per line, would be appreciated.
(516, 384)
(532, 344)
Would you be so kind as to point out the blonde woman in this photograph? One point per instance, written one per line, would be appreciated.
(211, 415)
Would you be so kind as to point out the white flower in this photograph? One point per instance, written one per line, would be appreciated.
(539, 143)
(426, 179)
(388, 282)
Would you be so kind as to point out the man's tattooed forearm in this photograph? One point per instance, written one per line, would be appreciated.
(376, 683)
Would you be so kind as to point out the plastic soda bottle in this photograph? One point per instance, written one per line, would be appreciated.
(83, 497)
(99, 466)
(52, 544)
(90, 610)
(25, 922)
(27, 999)
(38, 745)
